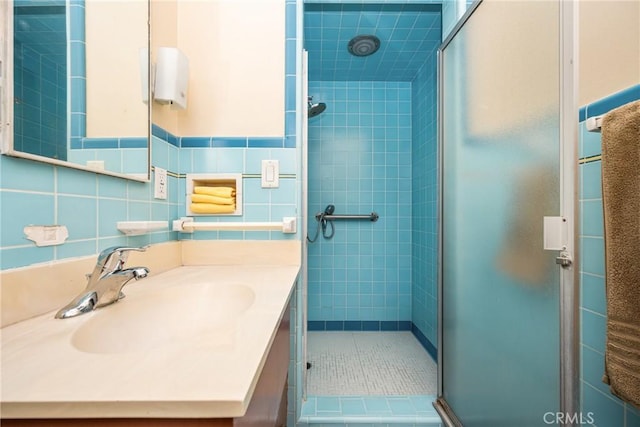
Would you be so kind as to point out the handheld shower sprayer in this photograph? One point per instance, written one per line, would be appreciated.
(322, 223)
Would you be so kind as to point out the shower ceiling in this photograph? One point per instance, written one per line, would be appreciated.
(408, 34)
(42, 25)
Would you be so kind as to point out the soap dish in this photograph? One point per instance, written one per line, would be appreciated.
(136, 228)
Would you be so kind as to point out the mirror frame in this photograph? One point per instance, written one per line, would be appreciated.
(7, 96)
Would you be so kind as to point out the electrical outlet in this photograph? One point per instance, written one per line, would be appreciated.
(160, 183)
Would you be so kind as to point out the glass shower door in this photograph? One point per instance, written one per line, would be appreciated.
(501, 174)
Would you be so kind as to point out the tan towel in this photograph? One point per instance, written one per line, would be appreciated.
(209, 208)
(216, 200)
(621, 201)
(215, 191)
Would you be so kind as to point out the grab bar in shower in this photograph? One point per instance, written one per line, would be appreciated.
(373, 217)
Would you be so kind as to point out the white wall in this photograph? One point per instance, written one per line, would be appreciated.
(164, 32)
(236, 52)
(115, 32)
(236, 56)
(609, 47)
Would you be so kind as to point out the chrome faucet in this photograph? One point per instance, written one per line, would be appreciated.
(105, 283)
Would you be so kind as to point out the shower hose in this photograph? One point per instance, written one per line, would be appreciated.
(322, 223)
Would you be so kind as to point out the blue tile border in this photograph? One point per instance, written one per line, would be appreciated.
(223, 141)
(428, 345)
(77, 75)
(173, 140)
(265, 142)
(100, 143)
(159, 132)
(92, 143)
(375, 326)
(582, 114)
(371, 7)
(141, 142)
(232, 142)
(164, 135)
(195, 141)
(315, 325)
(608, 103)
(290, 141)
(359, 325)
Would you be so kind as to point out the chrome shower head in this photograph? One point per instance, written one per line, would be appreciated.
(315, 109)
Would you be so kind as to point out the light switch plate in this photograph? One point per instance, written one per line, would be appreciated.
(160, 183)
(270, 174)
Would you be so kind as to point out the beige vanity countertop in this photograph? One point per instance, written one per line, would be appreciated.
(44, 375)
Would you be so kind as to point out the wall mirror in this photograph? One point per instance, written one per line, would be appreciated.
(80, 72)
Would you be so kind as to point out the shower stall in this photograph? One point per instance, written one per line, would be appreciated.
(372, 192)
(465, 151)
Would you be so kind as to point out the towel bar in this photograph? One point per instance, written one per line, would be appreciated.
(594, 123)
(188, 225)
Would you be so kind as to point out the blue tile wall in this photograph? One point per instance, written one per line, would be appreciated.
(222, 154)
(359, 325)
(259, 204)
(89, 205)
(608, 410)
(40, 70)
(408, 33)
(360, 160)
(51, 192)
(424, 162)
(293, 71)
(161, 133)
(397, 411)
(77, 75)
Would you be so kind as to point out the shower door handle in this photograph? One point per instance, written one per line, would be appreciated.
(564, 260)
(555, 232)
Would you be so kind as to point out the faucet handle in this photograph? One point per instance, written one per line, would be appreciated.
(113, 258)
(120, 249)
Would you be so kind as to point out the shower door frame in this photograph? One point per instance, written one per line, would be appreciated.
(305, 213)
(568, 380)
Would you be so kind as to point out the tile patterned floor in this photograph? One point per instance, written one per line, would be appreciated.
(368, 364)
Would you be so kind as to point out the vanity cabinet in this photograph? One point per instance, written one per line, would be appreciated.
(268, 406)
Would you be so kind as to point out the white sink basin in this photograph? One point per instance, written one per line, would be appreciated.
(186, 343)
(147, 320)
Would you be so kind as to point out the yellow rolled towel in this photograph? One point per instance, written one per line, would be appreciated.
(210, 208)
(216, 200)
(215, 191)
